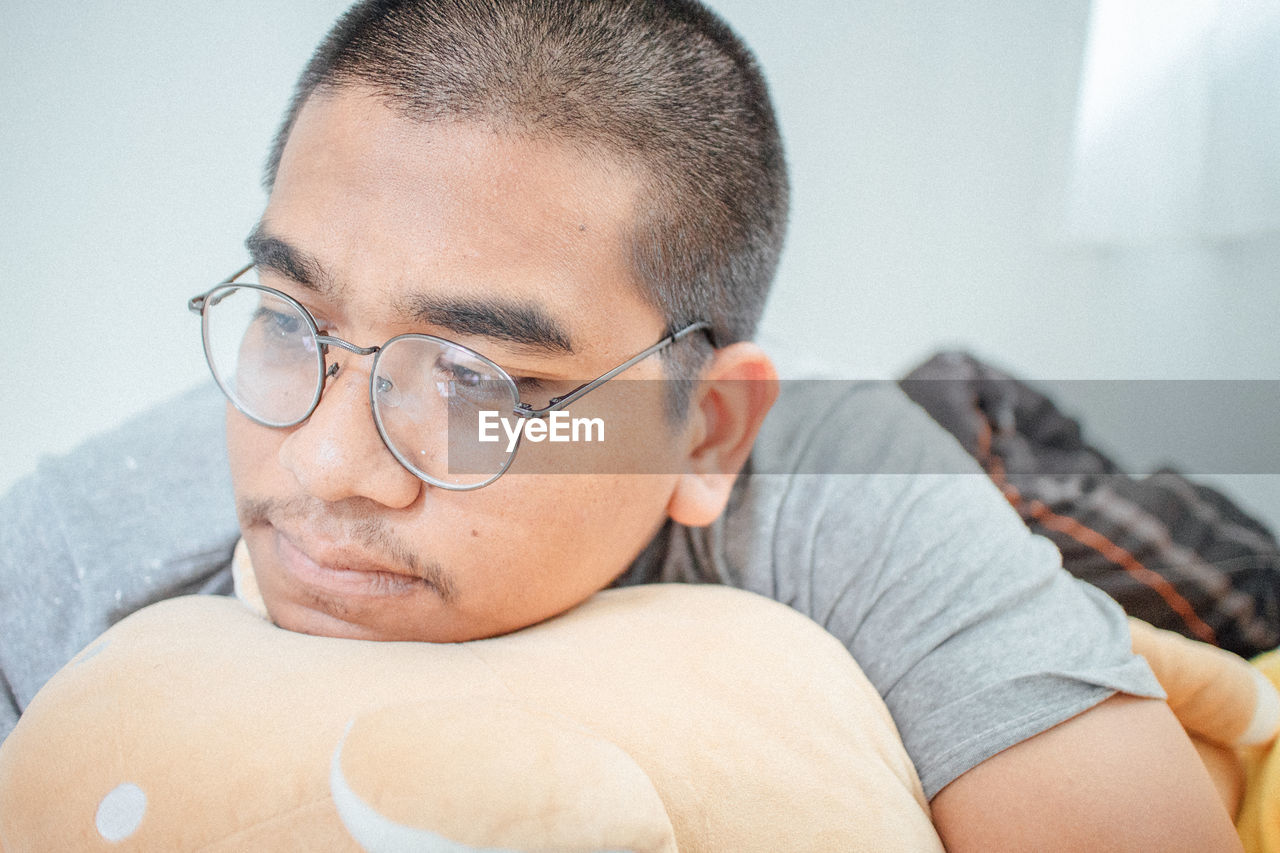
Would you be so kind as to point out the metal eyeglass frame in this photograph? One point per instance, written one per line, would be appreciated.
(198, 303)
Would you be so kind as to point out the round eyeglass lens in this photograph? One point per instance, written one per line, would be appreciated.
(446, 412)
(263, 353)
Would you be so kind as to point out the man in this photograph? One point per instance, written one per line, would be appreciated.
(500, 202)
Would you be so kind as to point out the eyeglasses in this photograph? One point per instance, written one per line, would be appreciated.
(268, 356)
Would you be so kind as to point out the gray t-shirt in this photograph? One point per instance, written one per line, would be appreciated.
(863, 514)
(963, 621)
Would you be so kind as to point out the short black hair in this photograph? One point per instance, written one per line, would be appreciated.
(664, 85)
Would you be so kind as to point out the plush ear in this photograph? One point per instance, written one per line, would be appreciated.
(1214, 694)
(1259, 820)
(647, 719)
(728, 408)
(1223, 703)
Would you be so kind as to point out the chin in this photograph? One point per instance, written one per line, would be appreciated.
(303, 620)
(317, 622)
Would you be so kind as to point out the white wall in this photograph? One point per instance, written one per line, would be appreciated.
(133, 135)
(930, 146)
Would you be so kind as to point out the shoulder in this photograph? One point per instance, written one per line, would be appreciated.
(159, 481)
(864, 514)
(134, 515)
(837, 426)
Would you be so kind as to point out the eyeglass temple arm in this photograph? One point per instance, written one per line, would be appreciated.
(527, 411)
(196, 303)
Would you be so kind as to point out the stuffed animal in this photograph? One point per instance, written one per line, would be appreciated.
(1231, 710)
(1259, 818)
(648, 719)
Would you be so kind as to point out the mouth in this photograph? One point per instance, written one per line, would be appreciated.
(343, 572)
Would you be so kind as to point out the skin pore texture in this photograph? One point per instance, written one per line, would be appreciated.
(380, 226)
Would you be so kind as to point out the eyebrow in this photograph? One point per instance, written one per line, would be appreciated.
(520, 323)
(523, 324)
(272, 253)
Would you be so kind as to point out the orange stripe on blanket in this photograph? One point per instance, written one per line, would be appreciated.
(1122, 558)
(1090, 538)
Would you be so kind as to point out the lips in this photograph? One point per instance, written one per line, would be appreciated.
(341, 571)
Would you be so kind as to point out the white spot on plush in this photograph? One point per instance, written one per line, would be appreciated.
(120, 812)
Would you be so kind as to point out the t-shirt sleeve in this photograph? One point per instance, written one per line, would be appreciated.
(139, 514)
(966, 623)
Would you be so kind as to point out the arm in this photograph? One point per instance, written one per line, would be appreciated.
(1121, 776)
(133, 516)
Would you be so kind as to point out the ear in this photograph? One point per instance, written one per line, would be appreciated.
(728, 406)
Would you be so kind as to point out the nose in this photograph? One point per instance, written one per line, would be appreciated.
(337, 453)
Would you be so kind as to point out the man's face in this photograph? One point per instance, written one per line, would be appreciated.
(382, 226)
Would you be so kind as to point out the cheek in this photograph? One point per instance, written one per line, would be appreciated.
(571, 535)
(252, 449)
(621, 428)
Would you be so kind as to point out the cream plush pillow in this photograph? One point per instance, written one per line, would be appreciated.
(650, 719)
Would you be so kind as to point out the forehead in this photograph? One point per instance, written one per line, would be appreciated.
(388, 205)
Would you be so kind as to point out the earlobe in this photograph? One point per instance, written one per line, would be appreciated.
(728, 407)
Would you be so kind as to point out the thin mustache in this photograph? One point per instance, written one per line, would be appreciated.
(351, 524)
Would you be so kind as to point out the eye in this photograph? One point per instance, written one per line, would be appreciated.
(528, 384)
(457, 382)
(282, 323)
(280, 333)
(462, 376)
